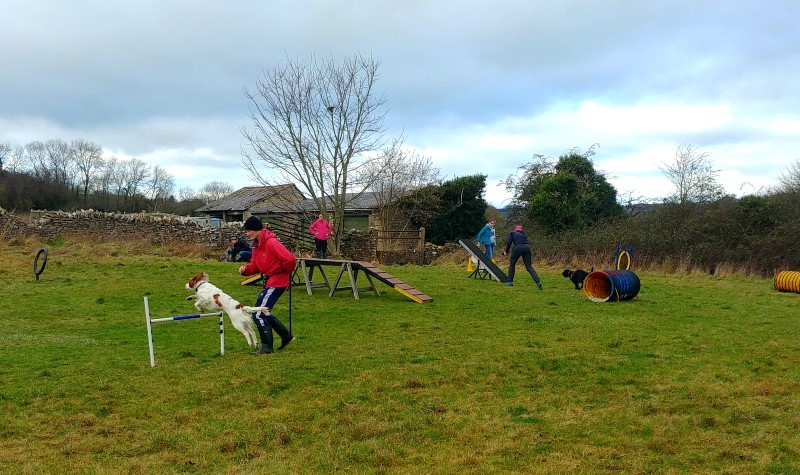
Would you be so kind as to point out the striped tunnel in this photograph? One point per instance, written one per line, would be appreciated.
(787, 281)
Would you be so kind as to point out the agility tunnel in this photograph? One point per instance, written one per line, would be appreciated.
(787, 281)
(614, 285)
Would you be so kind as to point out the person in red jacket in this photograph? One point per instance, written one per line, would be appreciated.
(321, 229)
(276, 263)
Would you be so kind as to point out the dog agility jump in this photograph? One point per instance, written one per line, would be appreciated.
(623, 258)
(151, 321)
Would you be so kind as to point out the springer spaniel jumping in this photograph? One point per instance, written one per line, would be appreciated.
(210, 297)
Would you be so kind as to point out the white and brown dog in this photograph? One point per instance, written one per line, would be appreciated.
(210, 297)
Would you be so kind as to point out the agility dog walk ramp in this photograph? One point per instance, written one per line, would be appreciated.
(394, 282)
(304, 273)
(485, 265)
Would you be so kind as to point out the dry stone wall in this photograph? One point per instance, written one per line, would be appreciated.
(11, 227)
(97, 225)
(153, 227)
(359, 245)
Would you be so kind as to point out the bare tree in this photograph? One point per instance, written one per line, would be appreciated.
(214, 191)
(790, 179)
(315, 125)
(88, 159)
(634, 204)
(5, 155)
(395, 173)
(16, 161)
(106, 183)
(134, 174)
(694, 178)
(186, 193)
(36, 157)
(160, 186)
(59, 162)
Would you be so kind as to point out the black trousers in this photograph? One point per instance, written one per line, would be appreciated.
(322, 247)
(523, 251)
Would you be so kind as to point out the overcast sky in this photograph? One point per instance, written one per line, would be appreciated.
(478, 86)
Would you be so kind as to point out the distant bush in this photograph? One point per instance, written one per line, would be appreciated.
(752, 235)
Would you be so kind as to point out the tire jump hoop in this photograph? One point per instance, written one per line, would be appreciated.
(36, 269)
(151, 321)
(787, 281)
(614, 285)
(624, 258)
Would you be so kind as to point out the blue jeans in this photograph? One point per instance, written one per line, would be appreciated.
(489, 250)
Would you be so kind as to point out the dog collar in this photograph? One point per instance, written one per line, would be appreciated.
(198, 285)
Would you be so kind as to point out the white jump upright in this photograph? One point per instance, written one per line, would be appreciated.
(150, 322)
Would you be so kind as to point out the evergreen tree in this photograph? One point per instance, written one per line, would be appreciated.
(455, 209)
(567, 194)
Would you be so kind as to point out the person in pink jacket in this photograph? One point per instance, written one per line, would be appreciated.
(321, 229)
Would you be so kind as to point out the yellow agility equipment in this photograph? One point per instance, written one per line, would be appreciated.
(624, 258)
(408, 294)
(787, 281)
(252, 279)
(627, 256)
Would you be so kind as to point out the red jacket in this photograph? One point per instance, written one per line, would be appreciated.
(272, 259)
(320, 229)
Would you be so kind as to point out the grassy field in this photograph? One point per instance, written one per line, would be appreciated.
(698, 374)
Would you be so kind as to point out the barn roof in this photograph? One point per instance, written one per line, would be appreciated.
(367, 201)
(244, 198)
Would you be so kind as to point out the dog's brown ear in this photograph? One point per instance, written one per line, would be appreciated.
(197, 278)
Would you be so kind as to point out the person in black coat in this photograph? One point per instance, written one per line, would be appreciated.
(521, 248)
(239, 251)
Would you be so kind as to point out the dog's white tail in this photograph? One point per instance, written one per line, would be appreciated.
(255, 309)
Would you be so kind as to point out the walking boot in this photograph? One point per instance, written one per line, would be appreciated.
(266, 340)
(283, 332)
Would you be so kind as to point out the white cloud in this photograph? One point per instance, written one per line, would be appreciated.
(651, 118)
(786, 125)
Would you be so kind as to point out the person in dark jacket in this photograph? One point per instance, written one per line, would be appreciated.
(239, 251)
(276, 263)
(521, 248)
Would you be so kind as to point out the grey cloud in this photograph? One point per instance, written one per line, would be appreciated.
(149, 76)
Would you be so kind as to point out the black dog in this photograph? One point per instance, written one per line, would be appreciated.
(577, 276)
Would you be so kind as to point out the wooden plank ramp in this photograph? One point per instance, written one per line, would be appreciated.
(394, 282)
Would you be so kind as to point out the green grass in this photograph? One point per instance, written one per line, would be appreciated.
(696, 375)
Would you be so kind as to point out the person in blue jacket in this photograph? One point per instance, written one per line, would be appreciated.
(522, 248)
(486, 236)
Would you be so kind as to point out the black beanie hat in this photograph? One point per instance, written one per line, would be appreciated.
(253, 224)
